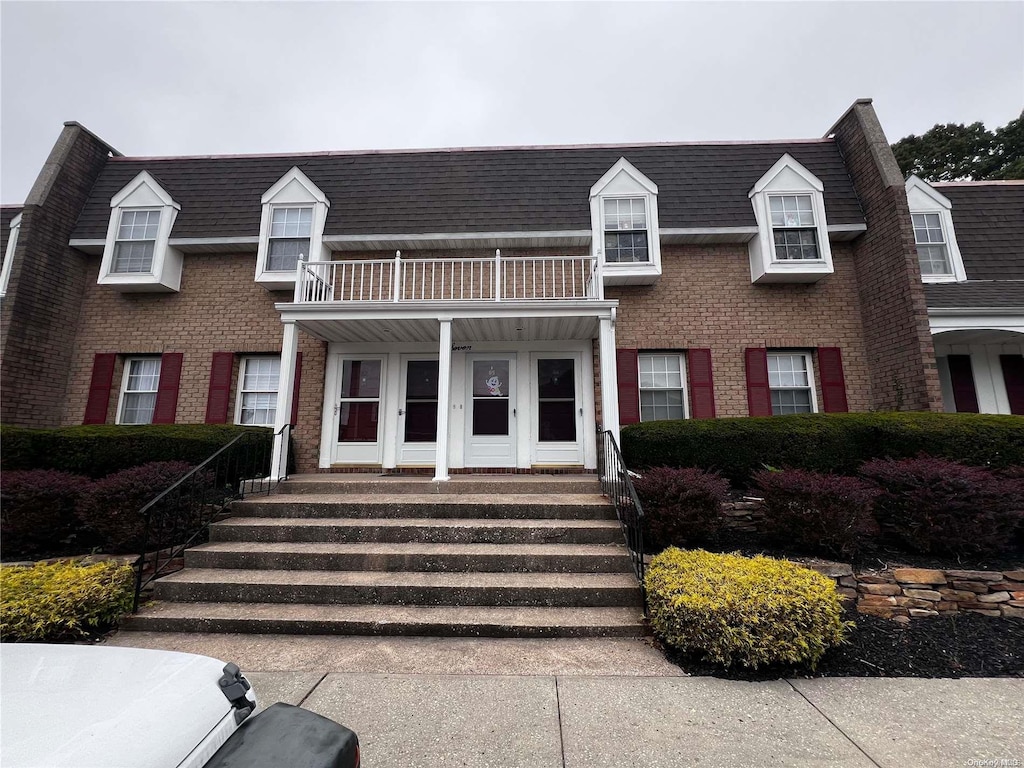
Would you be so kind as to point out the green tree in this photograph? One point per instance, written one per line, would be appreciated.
(957, 152)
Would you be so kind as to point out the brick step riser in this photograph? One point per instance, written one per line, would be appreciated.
(413, 534)
(309, 510)
(495, 488)
(589, 597)
(145, 623)
(458, 563)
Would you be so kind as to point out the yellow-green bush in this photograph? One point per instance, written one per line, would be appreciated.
(739, 610)
(62, 601)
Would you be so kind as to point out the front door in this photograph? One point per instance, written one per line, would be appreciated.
(490, 421)
(417, 412)
(558, 425)
(357, 410)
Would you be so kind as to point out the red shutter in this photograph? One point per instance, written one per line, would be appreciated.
(1013, 376)
(167, 390)
(965, 396)
(99, 389)
(833, 383)
(218, 401)
(759, 396)
(628, 375)
(702, 387)
(295, 389)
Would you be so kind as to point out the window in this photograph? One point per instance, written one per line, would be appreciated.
(931, 244)
(796, 236)
(138, 390)
(290, 230)
(257, 391)
(662, 387)
(791, 382)
(12, 243)
(136, 241)
(625, 230)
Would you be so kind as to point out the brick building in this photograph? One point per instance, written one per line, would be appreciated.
(490, 308)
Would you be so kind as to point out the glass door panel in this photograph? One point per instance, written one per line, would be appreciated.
(491, 397)
(556, 395)
(421, 401)
(359, 406)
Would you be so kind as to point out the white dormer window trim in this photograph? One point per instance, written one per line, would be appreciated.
(293, 209)
(924, 199)
(12, 244)
(787, 187)
(624, 185)
(131, 229)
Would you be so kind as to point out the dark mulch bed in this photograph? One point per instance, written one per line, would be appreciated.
(968, 645)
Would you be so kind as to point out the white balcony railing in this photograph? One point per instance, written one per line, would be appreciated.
(519, 278)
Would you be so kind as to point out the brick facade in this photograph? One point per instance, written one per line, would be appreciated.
(896, 331)
(43, 301)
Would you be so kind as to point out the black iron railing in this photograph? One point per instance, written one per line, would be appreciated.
(180, 516)
(618, 487)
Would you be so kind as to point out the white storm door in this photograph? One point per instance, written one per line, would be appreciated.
(417, 411)
(491, 416)
(558, 419)
(357, 410)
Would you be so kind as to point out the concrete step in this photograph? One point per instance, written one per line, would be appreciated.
(443, 621)
(404, 588)
(459, 531)
(495, 485)
(562, 506)
(490, 558)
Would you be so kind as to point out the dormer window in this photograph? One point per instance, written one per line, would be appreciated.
(931, 245)
(625, 230)
(291, 229)
(136, 241)
(796, 236)
(136, 255)
(791, 245)
(931, 214)
(624, 225)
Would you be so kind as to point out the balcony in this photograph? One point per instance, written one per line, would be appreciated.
(422, 281)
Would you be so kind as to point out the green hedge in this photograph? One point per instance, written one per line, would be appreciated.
(822, 442)
(97, 451)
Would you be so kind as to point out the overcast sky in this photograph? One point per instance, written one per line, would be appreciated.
(156, 78)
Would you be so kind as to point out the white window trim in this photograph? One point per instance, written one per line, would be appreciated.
(685, 384)
(787, 177)
(239, 391)
(126, 370)
(143, 193)
(293, 190)
(812, 382)
(12, 244)
(623, 180)
(922, 197)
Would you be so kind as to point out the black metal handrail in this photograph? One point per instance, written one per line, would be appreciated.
(180, 515)
(617, 485)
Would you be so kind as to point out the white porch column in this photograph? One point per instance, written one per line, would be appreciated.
(285, 385)
(444, 406)
(609, 376)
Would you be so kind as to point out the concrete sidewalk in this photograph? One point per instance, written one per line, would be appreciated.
(583, 704)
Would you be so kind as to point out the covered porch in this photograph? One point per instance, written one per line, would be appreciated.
(981, 369)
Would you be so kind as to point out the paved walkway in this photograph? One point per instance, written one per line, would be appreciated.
(594, 703)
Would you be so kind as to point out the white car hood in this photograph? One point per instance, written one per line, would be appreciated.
(74, 706)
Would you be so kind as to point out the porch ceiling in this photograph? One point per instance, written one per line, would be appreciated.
(978, 336)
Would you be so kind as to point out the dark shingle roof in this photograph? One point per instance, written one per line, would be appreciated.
(975, 293)
(486, 190)
(989, 224)
(7, 212)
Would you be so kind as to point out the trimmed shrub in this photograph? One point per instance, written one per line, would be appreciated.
(62, 601)
(97, 451)
(681, 506)
(37, 509)
(938, 506)
(111, 506)
(827, 514)
(837, 442)
(743, 611)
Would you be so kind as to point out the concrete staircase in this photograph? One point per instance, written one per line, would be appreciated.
(482, 556)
